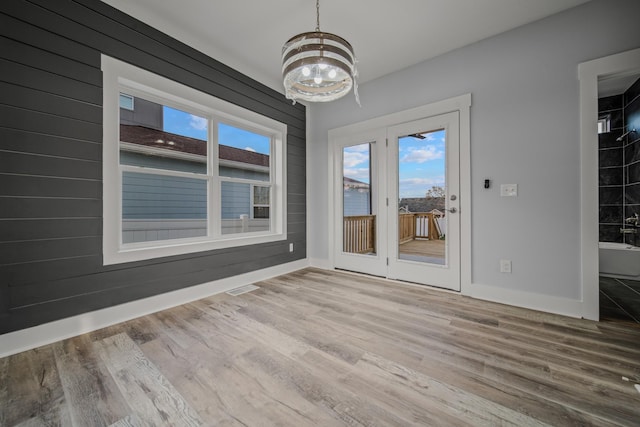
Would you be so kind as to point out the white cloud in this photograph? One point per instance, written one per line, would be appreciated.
(357, 148)
(198, 123)
(250, 149)
(352, 159)
(361, 174)
(416, 155)
(428, 182)
(417, 187)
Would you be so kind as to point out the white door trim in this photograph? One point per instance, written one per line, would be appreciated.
(588, 74)
(462, 104)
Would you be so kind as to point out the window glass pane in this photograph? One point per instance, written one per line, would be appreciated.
(157, 136)
(126, 101)
(261, 201)
(260, 195)
(358, 219)
(236, 210)
(422, 220)
(261, 211)
(243, 154)
(604, 125)
(161, 207)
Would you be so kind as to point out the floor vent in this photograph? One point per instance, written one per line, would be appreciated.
(242, 290)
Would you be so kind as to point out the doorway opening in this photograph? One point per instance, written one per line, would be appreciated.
(619, 196)
(591, 75)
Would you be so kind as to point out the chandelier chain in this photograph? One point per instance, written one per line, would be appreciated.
(318, 15)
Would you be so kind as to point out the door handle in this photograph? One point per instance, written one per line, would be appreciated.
(452, 210)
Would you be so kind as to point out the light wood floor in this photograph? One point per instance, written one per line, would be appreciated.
(429, 248)
(317, 348)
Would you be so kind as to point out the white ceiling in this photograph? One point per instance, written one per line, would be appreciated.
(386, 35)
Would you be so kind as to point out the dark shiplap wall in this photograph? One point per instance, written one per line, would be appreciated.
(51, 152)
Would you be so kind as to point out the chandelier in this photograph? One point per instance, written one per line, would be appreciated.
(318, 66)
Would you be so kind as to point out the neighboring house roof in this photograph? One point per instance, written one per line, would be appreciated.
(354, 183)
(149, 137)
(422, 204)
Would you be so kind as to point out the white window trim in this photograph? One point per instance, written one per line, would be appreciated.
(118, 74)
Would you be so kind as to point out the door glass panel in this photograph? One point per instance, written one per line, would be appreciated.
(358, 217)
(422, 221)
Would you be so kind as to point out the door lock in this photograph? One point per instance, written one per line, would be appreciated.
(453, 197)
(452, 210)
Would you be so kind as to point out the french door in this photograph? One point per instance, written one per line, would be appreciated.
(397, 202)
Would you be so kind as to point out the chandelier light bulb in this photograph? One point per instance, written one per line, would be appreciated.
(317, 79)
(322, 66)
(306, 71)
(332, 73)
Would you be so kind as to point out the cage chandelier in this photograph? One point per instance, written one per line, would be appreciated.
(318, 66)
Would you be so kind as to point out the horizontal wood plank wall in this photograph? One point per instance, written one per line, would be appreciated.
(51, 160)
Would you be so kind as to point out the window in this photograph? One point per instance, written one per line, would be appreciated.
(604, 124)
(126, 101)
(261, 202)
(184, 171)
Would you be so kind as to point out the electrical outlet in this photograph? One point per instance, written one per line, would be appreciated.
(290, 247)
(508, 190)
(505, 266)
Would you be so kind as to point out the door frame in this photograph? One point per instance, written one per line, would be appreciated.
(588, 74)
(461, 104)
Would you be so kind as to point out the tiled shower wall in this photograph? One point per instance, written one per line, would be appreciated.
(631, 173)
(619, 163)
(610, 156)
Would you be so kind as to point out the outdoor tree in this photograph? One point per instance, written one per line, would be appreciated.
(435, 192)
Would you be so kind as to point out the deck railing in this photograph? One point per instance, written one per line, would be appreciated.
(406, 227)
(359, 234)
(421, 225)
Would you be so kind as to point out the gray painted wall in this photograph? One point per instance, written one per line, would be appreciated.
(51, 161)
(524, 130)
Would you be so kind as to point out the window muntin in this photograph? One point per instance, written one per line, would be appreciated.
(165, 192)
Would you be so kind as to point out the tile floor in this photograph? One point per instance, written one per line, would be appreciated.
(619, 299)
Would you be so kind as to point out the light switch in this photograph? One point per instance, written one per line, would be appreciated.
(508, 190)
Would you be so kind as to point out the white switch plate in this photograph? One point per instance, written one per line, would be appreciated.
(505, 266)
(508, 190)
(290, 247)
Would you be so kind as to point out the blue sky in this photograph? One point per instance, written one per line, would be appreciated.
(421, 163)
(186, 124)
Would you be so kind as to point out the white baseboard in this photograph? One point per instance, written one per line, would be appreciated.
(523, 299)
(321, 263)
(26, 339)
(540, 302)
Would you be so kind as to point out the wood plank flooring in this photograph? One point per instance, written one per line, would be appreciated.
(429, 248)
(321, 348)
